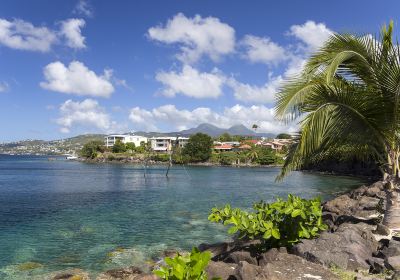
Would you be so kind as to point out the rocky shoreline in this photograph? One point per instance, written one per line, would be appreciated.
(355, 246)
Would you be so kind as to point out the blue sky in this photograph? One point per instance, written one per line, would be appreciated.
(72, 67)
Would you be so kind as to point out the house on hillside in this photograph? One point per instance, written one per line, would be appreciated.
(110, 140)
(223, 148)
(165, 144)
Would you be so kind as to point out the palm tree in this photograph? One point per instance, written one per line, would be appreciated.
(348, 98)
(252, 155)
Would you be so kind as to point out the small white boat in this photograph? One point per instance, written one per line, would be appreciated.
(71, 157)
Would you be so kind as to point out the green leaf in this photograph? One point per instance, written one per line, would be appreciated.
(232, 230)
(296, 212)
(275, 233)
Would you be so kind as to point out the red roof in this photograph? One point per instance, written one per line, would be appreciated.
(223, 147)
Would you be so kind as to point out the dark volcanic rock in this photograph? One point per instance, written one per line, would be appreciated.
(393, 263)
(382, 230)
(392, 250)
(348, 248)
(246, 271)
(220, 269)
(217, 248)
(341, 205)
(377, 265)
(287, 266)
(238, 256)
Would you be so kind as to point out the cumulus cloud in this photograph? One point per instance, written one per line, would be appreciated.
(263, 50)
(22, 35)
(71, 30)
(77, 79)
(311, 33)
(256, 94)
(4, 87)
(196, 36)
(86, 114)
(154, 119)
(83, 8)
(192, 83)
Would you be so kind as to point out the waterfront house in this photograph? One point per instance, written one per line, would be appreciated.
(223, 148)
(110, 140)
(165, 144)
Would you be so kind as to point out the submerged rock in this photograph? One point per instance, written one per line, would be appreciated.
(72, 274)
(29, 266)
(126, 273)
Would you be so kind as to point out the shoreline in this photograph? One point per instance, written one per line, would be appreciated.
(352, 218)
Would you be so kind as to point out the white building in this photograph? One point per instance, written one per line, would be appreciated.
(110, 140)
(165, 144)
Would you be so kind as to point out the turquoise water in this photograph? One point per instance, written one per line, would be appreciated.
(61, 214)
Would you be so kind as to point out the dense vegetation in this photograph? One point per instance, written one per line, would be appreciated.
(198, 148)
(282, 223)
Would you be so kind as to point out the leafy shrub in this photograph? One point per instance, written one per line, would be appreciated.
(281, 223)
(160, 157)
(266, 156)
(119, 147)
(91, 149)
(227, 158)
(186, 267)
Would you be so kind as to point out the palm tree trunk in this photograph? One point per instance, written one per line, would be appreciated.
(392, 212)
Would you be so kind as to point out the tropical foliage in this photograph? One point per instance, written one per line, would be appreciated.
(91, 149)
(281, 223)
(186, 267)
(348, 98)
(198, 147)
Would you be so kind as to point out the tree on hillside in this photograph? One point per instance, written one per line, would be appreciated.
(284, 136)
(91, 148)
(198, 147)
(119, 147)
(348, 95)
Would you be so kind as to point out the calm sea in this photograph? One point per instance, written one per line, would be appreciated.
(59, 214)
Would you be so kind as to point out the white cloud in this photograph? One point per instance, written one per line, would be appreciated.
(71, 30)
(256, 94)
(197, 36)
(192, 83)
(22, 35)
(86, 114)
(83, 8)
(4, 87)
(77, 79)
(153, 120)
(311, 33)
(263, 50)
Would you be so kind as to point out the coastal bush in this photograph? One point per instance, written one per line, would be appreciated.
(227, 158)
(119, 147)
(266, 156)
(185, 267)
(160, 157)
(91, 149)
(282, 223)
